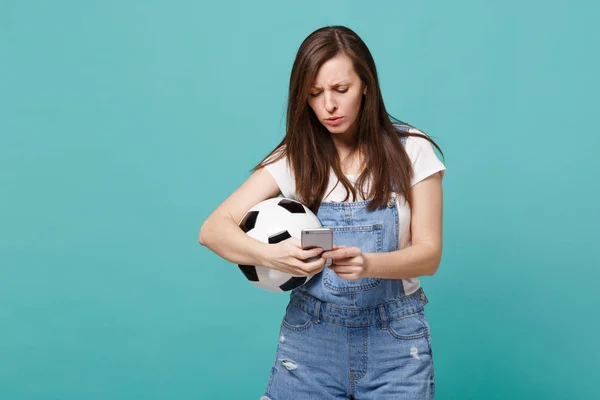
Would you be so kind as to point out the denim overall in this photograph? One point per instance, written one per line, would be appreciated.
(362, 339)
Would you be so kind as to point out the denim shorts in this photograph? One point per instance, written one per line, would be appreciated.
(327, 351)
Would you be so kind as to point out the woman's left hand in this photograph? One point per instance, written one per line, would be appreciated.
(347, 262)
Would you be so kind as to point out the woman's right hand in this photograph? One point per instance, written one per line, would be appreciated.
(288, 256)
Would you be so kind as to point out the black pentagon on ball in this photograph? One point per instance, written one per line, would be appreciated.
(293, 283)
(279, 237)
(249, 221)
(292, 206)
(250, 272)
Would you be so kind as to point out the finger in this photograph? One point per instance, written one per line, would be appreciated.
(343, 269)
(338, 257)
(296, 264)
(330, 254)
(338, 247)
(300, 272)
(346, 252)
(301, 269)
(306, 254)
(351, 251)
(345, 261)
(314, 266)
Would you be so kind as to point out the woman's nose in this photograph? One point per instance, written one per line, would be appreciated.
(330, 104)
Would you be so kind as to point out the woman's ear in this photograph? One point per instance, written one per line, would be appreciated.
(365, 90)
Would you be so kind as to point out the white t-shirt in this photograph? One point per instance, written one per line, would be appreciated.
(424, 162)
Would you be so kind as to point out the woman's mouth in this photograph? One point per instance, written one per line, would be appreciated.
(333, 120)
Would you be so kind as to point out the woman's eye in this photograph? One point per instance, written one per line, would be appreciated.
(339, 91)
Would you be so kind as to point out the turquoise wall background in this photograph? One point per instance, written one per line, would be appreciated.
(123, 124)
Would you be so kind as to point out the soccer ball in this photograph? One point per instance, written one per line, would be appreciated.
(272, 221)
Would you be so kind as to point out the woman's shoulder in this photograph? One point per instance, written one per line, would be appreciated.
(421, 153)
(277, 161)
(413, 143)
(277, 165)
(402, 127)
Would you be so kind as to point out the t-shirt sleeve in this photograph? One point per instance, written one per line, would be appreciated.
(425, 161)
(282, 175)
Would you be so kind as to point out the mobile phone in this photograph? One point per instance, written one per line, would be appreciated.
(317, 237)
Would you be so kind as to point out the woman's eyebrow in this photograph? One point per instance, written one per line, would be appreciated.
(335, 85)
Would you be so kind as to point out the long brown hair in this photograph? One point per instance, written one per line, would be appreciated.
(308, 145)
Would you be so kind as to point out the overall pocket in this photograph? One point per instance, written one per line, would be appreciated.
(412, 326)
(296, 319)
(368, 238)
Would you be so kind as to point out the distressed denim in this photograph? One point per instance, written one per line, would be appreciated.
(361, 340)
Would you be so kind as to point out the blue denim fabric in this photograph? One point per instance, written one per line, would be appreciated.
(354, 340)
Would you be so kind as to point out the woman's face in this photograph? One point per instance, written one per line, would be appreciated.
(336, 95)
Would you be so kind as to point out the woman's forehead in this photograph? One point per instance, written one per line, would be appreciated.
(335, 71)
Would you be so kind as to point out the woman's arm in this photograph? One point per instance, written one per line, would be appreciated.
(221, 233)
(421, 258)
(424, 255)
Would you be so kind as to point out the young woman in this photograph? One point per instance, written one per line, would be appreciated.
(357, 329)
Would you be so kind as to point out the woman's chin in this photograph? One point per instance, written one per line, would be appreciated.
(336, 129)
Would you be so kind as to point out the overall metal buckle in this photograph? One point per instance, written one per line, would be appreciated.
(392, 200)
